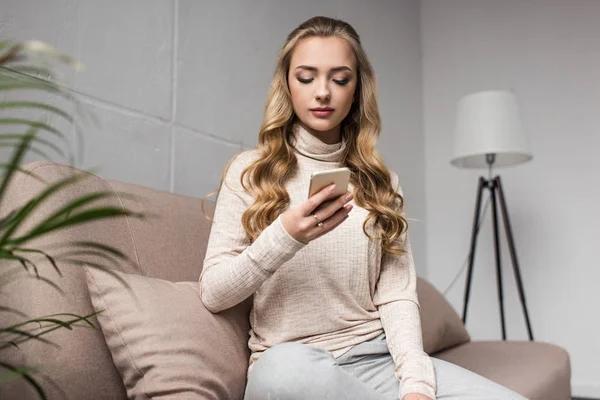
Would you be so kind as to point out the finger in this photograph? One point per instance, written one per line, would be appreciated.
(315, 200)
(326, 211)
(331, 222)
(338, 223)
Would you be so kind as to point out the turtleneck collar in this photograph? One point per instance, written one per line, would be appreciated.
(312, 147)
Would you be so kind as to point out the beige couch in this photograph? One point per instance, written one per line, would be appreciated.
(170, 246)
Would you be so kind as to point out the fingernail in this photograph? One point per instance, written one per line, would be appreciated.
(348, 207)
(349, 196)
(332, 188)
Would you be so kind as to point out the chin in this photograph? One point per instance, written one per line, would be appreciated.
(321, 125)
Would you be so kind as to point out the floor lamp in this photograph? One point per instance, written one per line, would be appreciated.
(489, 133)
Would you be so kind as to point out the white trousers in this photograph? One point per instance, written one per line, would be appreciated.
(366, 372)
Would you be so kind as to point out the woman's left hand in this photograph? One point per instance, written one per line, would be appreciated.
(416, 396)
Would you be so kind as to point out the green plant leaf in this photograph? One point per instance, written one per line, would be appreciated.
(11, 167)
(31, 149)
(10, 50)
(36, 46)
(14, 80)
(28, 172)
(25, 374)
(13, 311)
(9, 219)
(85, 252)
(5, 44)
(15, 161)
(14, 85)
(35, 202)
(8, 137)
(11, 80)
(37, 106)
(7, 255)
(32, 71)
(10, 274)
(50, 283)
(23, 336)
(46, 255)
(103, 247)
(100, 213)
(78, 318)
(86, 248)
(24, 262)
(47, 193)
(54, 324)
(32, 124)
(75, 204)
(11, 376)
(86, 263)
(39, 321)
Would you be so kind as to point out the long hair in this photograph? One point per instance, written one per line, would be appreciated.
(265, 178)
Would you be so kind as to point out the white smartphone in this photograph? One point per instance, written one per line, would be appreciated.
(321, 179)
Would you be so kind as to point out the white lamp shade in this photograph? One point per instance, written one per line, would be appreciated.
(489, 122)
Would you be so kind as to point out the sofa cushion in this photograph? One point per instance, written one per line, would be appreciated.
(163, 341)
(538, 371)
(442, 327)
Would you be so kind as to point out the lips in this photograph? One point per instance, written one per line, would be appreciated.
(322, 111)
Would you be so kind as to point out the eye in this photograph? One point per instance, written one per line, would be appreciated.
(341, 82)
(305, 80)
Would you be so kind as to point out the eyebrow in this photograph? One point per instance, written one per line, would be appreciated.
(334, 69)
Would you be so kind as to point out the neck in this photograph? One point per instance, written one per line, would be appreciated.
(312, 146)
(331, 136)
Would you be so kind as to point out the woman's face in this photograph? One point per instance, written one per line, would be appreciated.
(322, 80)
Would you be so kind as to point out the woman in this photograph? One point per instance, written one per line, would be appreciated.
(335, 312)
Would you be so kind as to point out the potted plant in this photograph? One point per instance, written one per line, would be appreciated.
(27, 67)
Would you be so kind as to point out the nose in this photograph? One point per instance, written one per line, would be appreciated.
(323, 93)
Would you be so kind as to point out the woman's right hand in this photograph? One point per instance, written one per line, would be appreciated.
(302, 221)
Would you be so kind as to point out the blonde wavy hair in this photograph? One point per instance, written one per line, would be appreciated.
(266, 177)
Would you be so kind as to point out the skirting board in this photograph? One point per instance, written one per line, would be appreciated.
(586, 390)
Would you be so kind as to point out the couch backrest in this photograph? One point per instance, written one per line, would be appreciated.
(169, 244)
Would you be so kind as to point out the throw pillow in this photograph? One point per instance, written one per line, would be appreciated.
(163, 341)
(442, 327)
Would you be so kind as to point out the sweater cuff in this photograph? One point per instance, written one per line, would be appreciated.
(299, 243)
(273, 247)
(422, 388)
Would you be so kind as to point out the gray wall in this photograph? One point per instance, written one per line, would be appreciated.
(179, 86)
(548, 53)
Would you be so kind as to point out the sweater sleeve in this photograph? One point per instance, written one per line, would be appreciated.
(234, 268)
(399, 310)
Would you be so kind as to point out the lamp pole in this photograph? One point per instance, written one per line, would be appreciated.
(496, 193)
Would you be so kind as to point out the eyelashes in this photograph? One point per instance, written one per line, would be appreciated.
(341, 82)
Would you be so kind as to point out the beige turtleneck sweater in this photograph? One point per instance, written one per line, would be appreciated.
(333, 293)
